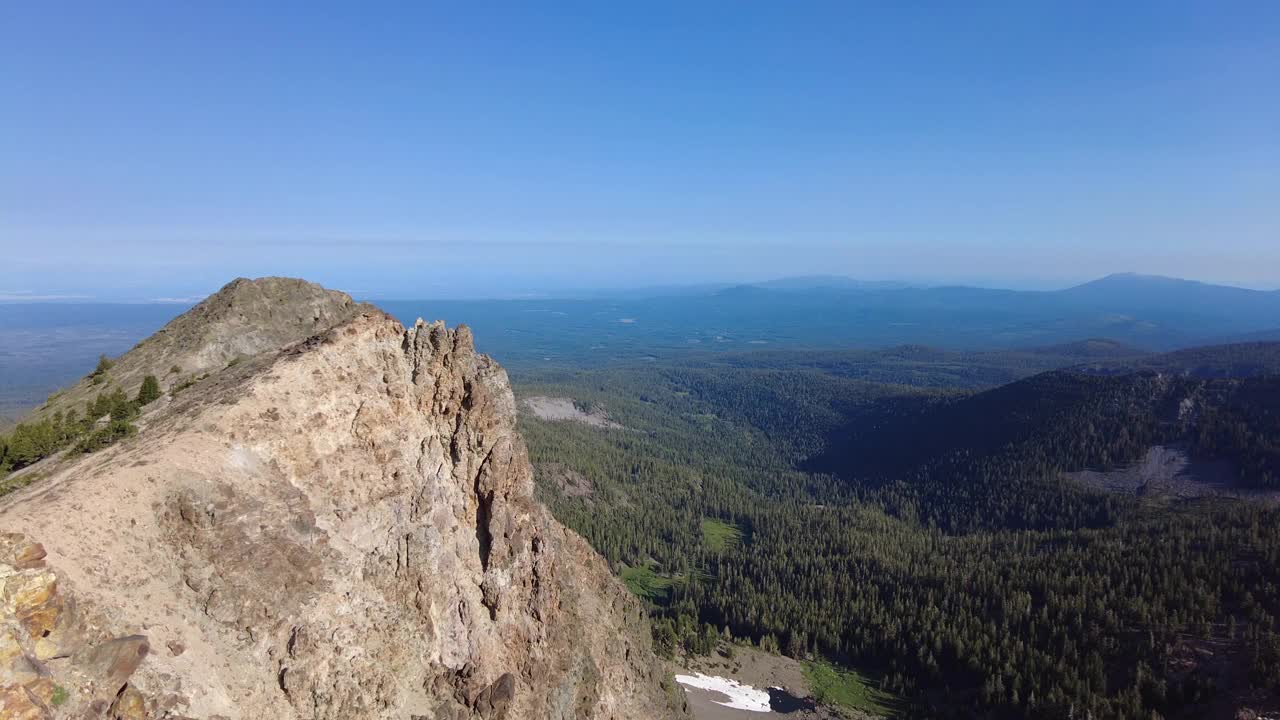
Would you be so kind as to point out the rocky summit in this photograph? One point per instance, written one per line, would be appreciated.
(327, 516)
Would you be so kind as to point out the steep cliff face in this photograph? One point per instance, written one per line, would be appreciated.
(343, 528)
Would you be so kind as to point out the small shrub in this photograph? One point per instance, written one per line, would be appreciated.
(173, 392)
(10, 484)
(99, 374)
(106, 435)
(60, 696)
(104, 364)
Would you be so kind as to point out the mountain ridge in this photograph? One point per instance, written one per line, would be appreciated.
(340, 527)
(243, 318)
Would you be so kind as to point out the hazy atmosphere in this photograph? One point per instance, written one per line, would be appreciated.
(640, 361)
(155, 150)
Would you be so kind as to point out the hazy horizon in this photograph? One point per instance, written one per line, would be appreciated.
(885, 360)
(158, 150)
(576, 292)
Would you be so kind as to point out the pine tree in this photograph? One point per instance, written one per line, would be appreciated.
(149, 392)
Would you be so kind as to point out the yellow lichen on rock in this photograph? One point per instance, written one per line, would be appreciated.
(32, 598)
(47, 668)
(130, 705)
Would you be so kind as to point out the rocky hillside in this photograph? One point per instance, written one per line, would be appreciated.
(342, 527)
(244, 318)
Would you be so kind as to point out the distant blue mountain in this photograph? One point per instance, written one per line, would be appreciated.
(46, 345)
(1130, 290)
(829, 282)
(1142, 312)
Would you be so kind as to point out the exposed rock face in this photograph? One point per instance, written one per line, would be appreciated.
(340, 529)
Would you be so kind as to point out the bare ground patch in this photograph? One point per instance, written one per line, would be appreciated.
(1169, 471)
(568, 481)
(565, 409)
(790, 694)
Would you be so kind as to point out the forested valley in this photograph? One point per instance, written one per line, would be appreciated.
(924, 533)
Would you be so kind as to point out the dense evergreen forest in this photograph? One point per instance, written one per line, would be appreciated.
(926, 536)
(1246, 359)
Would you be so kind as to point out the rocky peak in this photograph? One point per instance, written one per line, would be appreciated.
(343, 527)
(243, 319)
(270, 311)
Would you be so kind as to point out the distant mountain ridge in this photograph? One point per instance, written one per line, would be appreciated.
(1129, 290)
(1120, 284)
(1215, 403)
(1236, 360)
(43, 346)
(830, 282)
(1130, 280)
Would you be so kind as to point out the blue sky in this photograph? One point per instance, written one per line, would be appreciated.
(477, 149)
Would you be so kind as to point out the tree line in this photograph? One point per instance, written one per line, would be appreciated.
(107, 418)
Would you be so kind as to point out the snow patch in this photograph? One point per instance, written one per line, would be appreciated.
(741, 697)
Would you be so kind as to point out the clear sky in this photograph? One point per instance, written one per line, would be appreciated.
(155, 149)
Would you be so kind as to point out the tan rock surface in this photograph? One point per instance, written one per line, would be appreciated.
(343, 528)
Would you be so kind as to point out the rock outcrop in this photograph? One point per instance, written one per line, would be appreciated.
(50, 651)
(340, 528)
